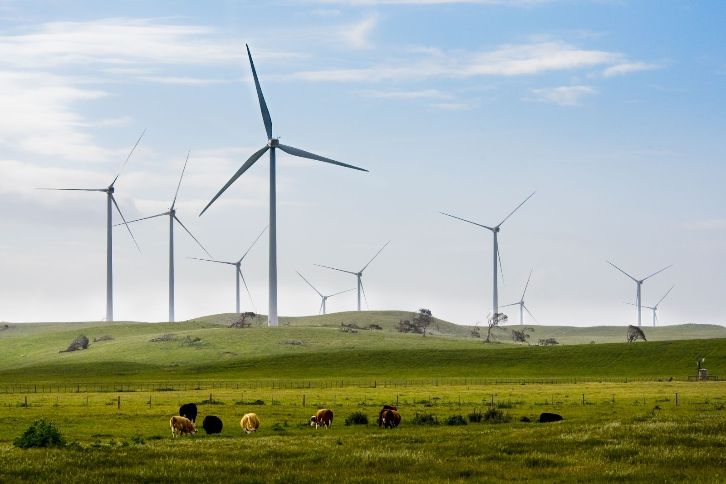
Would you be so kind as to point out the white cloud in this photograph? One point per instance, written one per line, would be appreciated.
(628, 68)
(357, 35)
(414, 94)
(436, 2)
(562, 95)
(707, 225)
(453, 106)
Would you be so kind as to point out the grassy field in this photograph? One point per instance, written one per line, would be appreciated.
(630, 414)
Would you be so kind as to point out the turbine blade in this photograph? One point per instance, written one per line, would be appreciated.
(320, 309)
(661, 299)
(618, 268)
(655, 273)
(501, 269)
(377, 253)
(342, 292)
(512, 212)
(313, 156)
(180, 180)
(253, 244)
(251, 161)
(263, 105)
(507, 305)
(530, 313)
(335, 269)
(113, 199)
(303, 278)
(465, 220)
(212, 260)
(364, 294)
(140, 219)
(128, 157)
(249, 294)
(74, 189)
(192, 236)
(527, 285)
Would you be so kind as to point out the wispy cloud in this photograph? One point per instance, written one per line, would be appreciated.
(413, 94)
(562, 95)
(454, 106)
(437, 2)
(707, 225)
(358, 34)
(628, 68)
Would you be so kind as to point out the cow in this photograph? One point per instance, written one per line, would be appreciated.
(250, 423)
(181, 425)
(390, 419)
(189, 410)
(322, 418)
(380, 414)
(212, 424)
(547, 417)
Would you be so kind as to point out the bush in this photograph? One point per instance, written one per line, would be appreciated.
(356, 418)
(494, 415)
(41, 433)
(425, 419)
(475, 416)
(80, 343)
(455, 420)
(164, 338)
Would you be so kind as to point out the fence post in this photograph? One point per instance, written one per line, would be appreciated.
(676, 399)
(303, 403)
(119, 403)
(583, 399)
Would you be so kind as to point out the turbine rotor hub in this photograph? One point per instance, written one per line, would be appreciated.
(273, 143)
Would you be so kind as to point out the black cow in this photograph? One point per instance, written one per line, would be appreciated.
(390, 419)
(546, 417)
(212, 424)
(189, 410)
(380, 414)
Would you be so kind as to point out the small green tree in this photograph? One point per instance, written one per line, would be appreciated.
(41, 433)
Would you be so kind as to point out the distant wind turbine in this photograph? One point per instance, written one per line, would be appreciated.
(272, 145)
(323, 298)
(655, 308)
(110, 200)
(521, 304)
(359, 274)
(495, 252)
(638, 283)
(171, 213)
(237, 270)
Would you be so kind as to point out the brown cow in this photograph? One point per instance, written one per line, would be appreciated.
(322, 418)
(391, 419)
(181, 425)
(380, 414)
(250, 423)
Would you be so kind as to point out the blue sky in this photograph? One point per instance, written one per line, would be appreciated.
(612, 110)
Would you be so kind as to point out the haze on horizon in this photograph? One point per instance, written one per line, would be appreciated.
(612, 111)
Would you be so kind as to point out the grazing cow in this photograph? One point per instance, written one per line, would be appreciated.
(189, 410)
(212, 424)
(181, 425)
(380, 414)
(250, 423)
(391, 419)
(322, 418)
(549, 417)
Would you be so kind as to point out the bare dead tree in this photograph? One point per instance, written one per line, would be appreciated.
(635, 333)
(493, 322)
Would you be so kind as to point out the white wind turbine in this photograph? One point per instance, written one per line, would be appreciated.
(655, 308)
(171, 213)
(638, 283)
(323, 299)
(110, 201)
(522, 306)
(358, 275)
(495, 252)
(272, 145)
(237, 270)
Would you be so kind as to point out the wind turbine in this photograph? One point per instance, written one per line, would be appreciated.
(359, 274)
(237, 270)
(496, 256)
(110, 200)
(521, 304)
(171, 213)
(639, 283)
(324, 299)
(655, 308)
(272, 145)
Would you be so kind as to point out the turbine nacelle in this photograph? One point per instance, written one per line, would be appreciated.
(273, 142)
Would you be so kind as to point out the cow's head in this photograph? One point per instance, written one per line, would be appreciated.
(313, 421)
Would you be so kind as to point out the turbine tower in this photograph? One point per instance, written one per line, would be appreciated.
(171, 213)
(237, 270)
(272, 145)
(323, 298)
(522, 306)
(110, 201)
(655, 308)
(496, 256)
(359, 274)
(638, 283)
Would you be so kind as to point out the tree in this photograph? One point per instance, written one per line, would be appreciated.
(493, 322)
(521, 336)
(423, 320)
(244, 320)
(635, 333)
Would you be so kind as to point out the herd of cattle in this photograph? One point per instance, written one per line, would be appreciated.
(184, 423)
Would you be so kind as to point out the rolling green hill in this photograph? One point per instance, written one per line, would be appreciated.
(315, 347)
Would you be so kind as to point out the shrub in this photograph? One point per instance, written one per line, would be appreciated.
(137, 439)
(494, 415)
(455, 420)
(356, 418)
(425, 419)
(475, 416)
(41, 433)
(80, 343)
(164, 338)
(251, 402)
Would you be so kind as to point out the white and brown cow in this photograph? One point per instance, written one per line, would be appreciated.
(322, 418)
(181, 425)
(250, 423)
